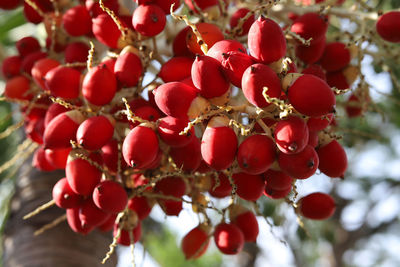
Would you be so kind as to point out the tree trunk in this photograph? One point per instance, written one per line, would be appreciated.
(59, 246)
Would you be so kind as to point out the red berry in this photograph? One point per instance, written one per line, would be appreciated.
(246, 221)
(88, 135)
(179, 46)
(52, 112)
(63, 82)
(312, 53)
(27, 45)
(228, 238)
(301, 165)
(317, 206)
(76, 52)
(276, 194)
(110, 196)
(99, 85)
(128, 69)
(40, 162)
(315, 70)
(225, 46)
(176, 69)
(266, 41)
(249, 187)
(195, 243)
(210, 34)
(171, 186)
(64, 196)
(388, 26)
(234, 65)
(140, 147)
(77, 21)
(90, 214)
(148, 20)
(57, 157)
(239, 14)
(277, 180)
(291, 135)
(124, 239)
(141, 205)
(169, 130)
(254, 79)
(256, 154)
(17, 88)
(11, 66)
(336, 56)
(40, 69)
(75, 223)
(310, 25)
(332, 159)
(106, 31)
(187, 157)
(354, 106)
(319, 123)
(30, 60)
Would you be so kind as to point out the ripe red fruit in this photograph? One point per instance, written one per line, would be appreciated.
(224, 188)
(140, 205)
(256, 154)
(57, 157)
(124, 239)
(106, 31)
(11, 66)
(27, 45)
(239, 14)
(319, 123)
(249, 187)
(246, 221)
(225, 46)
(147, 113)
(30, 60)
(140, 147)
(332, 159)
(276, 194)
(206, 69)
(76, 52)
(34, 130)
(108, 225)
(312, 53)
(228, 238)
(301, 165)
(354, 106)
(171, 186)
(40, 68)
(234, 64)
(175, 99)
(40, 162)
(95, 10)
(128, 69)
(109, 153)
(165, 5)
(17, 88)
(311, 96)
(315, 70)
(179, 46)
(88, 135)
(62, 129)
(64, 196)
(90, 214)
(277, 180)
(336, 56)
(176, 69)
(149, 20)
(195, 243)
(169, 129)
(187, 157)
(210, 34)
(310, 25)
(266, 41)
(99, 85)
(291, 135)
(110, 196)
(82, 176)
(388, 26)
(254, 79)
(63, 82)
(202, 4)
(317, 206)
(75, 223)
(53, 110)
(219, 144)
(77, 21)
(10, 4)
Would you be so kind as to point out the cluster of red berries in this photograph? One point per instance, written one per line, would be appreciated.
(230, 118)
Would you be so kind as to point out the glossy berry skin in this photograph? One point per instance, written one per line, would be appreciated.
(76, 52)
(254, 79)
(291, 135)
(228, 238)
(110, 196)
(57, 157)
(140, 147)
(82, 176)
(388, 26)
(179, 46)
(266, 41)
(195, 243)
(224, 188)
(88, 135)
(336, 56)
(176, 69)
(40, 161)
(99, 85)
(75, 223)
(277, 180)
(256, 154)
(175, 98)
(301, 165)
(206, 69)
(140, 205)
(310, 25)
(222, 47)
(240, 13)
(187, 157)
(27, 45)
(311, 96)
(332, 159)
(63, 82)
(52, 112)
(354, 106)
(64, 196)
(90, 214)
(318, 124)
(210, 33)
(249, 187)
(128, 69)
(276, 194)
(247, 223)
(106, 31)
(234, 65)
(148, 20)
(169, 129)
(317, 206)
(315, 70)
(312, 53)
(77, 21)
(124, 239)
(11, 66)
(218, 147)
(171, 186)
(40, 69)
(17, 88)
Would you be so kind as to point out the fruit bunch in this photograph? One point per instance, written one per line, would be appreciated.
(240, 103)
